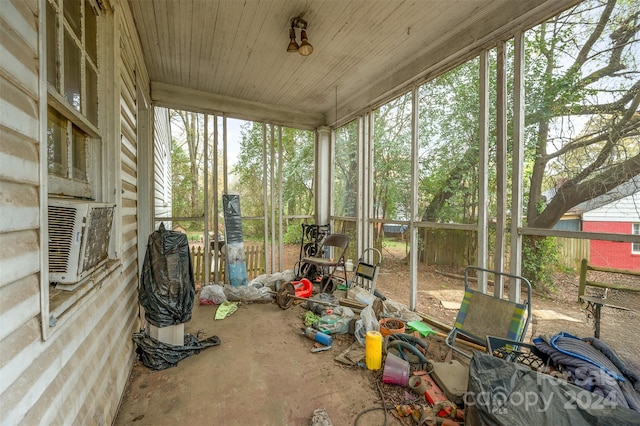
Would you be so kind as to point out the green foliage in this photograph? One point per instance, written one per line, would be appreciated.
(540, 261)
(252, 229)
(582, 134)
(296, 161)
(345, 183)
(293, 234)
(180, 181)
(448, 139)
(392, 159)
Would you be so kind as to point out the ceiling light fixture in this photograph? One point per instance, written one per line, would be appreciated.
(304, 48)
(293, 46)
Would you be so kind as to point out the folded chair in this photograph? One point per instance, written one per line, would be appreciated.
(483, 315)
(328, 258)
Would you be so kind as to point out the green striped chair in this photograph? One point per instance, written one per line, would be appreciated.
(483, 315)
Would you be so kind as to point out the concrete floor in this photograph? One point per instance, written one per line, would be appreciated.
(262, 373)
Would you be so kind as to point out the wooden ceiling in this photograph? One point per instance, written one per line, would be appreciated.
(230, 55)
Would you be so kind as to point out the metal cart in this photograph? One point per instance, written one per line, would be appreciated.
(365, 274)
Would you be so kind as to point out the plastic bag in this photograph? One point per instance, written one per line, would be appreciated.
(167, 287)
(396, 309)
(318, 304)
(271, 279)
(248, 293)
(336, 322)
(367, 322)
(212, 294)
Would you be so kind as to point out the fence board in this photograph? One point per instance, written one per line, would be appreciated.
(572, 251)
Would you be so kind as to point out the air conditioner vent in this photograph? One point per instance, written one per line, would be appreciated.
(79, 233)
(97, 249)
(60, 237)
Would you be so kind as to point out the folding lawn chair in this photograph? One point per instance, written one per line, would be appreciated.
(483, 315)
(326, 263)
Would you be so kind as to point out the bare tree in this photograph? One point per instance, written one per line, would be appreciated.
(586, 76)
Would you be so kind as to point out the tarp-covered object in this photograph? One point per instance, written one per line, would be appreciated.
(167, 289)
(504, 393)
(235, 256)
(159, 356)
(594, 366)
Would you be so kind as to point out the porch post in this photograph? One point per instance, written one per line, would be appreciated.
(483, 180)
(322, 162)
(518, 160)
(413, 206)
(501, 164)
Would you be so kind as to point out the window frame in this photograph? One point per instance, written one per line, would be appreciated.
(635, 230)
(58, 101)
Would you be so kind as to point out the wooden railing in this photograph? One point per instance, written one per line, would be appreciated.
(584, 282)
(255, 263)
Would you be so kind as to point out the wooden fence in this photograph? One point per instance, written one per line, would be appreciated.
(572, 251)
(255, 263)
(458, 247)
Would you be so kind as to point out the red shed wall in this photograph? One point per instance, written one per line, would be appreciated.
(608, 253)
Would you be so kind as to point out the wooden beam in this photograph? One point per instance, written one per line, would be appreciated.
(621, 238)
(177, 97)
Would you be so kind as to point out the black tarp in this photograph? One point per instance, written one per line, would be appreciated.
(167, 288)
(505, 393)
(159, 356)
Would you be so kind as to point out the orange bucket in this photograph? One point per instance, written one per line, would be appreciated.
(390, 326)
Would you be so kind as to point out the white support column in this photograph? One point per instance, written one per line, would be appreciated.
(280, 218)
(146, 181)
(413, 206)
(274, 188)
(214, 196)
(265, 194)
(207, 201)
(225, 152)
(362, 143)
(483, 179)
(365, 183)
(517, 167)
(323, 176)
(501, 173)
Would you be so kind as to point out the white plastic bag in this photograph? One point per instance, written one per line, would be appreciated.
(395, 309)
(212, 293)
(248, 293)
(270, 279)
(367, 322)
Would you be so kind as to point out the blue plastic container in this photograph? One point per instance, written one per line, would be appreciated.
(318, 336)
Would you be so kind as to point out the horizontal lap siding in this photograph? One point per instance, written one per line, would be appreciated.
(162, 162)
(20, 333)
(78, 374)
(91, 341)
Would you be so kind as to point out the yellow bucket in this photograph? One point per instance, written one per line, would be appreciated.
(373, 350)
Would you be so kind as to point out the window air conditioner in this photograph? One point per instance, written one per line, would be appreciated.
(79, 234)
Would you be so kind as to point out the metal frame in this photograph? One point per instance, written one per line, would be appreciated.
(451, 337)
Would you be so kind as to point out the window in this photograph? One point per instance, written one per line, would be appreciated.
(635, 247)
(72, 73)
(75, 155)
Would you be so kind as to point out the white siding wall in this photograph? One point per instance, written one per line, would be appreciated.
(624, 210)
(162, 162)
(77, 373)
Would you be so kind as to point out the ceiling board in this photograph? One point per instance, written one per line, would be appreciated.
(362, 49)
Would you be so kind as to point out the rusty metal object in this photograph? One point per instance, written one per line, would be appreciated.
(286, 295)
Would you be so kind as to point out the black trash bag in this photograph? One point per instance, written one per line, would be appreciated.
(167, 289)
(159, 356)
(505, 393)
